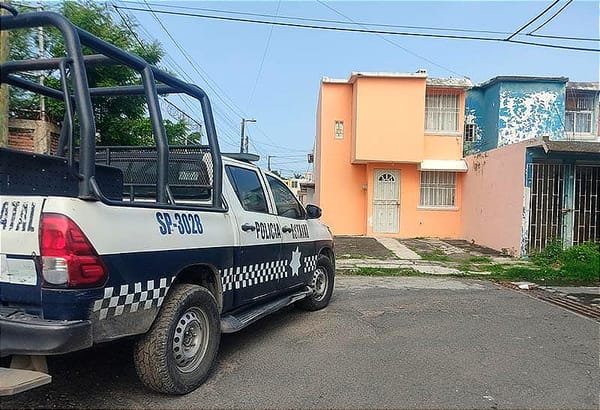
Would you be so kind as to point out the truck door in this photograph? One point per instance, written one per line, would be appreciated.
(258, 266)
(298, 243)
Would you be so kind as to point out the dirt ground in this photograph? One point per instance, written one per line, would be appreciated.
(360, 247)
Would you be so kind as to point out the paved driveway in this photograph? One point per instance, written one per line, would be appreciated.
(408, 342)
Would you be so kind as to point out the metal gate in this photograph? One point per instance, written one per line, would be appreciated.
(386, 201)
(546, 204)
(586, 212)
(564, 204)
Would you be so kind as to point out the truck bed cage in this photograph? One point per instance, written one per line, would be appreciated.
(78, 98)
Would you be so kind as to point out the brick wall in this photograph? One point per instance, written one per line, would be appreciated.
(33, 135)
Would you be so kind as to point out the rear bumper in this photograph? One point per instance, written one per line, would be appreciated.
(26, 334)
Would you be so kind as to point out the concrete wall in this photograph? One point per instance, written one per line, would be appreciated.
(509, 112)
(482, 109)
(531, 110)
(389, 119)
(339, 185)
(494, 197)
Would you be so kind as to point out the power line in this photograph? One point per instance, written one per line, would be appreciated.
(228, 136)
(552, 17)
(239, 112)
(141, 43)
(354, 30)
(262, 61)
(185, 54)
(564, 37)
(393, 43)
(530, 22)
(410, 27)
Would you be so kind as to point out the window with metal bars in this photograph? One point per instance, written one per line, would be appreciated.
(438, 189)
(578, 114)
(441, 111)
(469, 135)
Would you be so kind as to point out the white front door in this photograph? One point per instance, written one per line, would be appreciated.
(386, 201)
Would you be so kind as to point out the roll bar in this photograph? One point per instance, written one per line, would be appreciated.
(80, 97)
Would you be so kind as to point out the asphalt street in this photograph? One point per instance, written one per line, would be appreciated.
(409, 342)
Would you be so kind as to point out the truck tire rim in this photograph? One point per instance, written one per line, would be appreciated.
(190, 339)
(319, 284)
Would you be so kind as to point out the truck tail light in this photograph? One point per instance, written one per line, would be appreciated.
(68, 257)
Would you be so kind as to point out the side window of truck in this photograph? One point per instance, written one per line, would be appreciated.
(247, 188)
(287, 204)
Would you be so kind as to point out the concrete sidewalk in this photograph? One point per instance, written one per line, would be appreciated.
(404, 257)
(438, 257)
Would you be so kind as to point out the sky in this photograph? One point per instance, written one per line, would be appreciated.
(273, 73)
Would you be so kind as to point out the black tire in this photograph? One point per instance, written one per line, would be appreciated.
(171, 357)
(322, 283)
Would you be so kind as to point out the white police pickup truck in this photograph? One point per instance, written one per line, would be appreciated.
(170, 245)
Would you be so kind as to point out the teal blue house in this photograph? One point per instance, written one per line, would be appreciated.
(556, 122)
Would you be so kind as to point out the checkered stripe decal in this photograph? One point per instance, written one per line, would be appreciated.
(250, 275)
(117, 300)
(310, 263)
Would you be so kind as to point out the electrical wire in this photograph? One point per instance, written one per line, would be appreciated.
(387, 40)
(239, 112)
(564, 37)
(178, 7)
(262, 61)
(550, 19)
(533, 20)
(368, 31)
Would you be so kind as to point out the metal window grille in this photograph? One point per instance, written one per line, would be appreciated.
(470, 132)
(578, 114)
(441, 111)
(339, 130)
(438, 189)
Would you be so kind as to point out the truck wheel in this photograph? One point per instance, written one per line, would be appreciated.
(176, 355)
(322, 285)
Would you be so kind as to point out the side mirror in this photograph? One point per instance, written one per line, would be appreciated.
(313, 212)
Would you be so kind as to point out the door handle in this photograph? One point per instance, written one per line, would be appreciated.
(248, 227)
(286, 229)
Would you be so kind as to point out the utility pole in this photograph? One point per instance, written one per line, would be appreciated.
(269, 162)
(4, 49)
(243, 140)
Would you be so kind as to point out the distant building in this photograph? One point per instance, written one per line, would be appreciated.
(295, 185)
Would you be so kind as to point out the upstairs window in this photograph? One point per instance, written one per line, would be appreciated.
(441, 112)
(438, 189)
(578, 114)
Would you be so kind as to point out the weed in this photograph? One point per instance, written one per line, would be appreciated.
(480, 259)
(385, 272)
(435, 255)
(577, 263)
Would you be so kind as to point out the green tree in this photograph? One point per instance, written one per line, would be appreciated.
(119, 120)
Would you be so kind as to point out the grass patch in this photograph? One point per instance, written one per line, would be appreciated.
(480, 259)
(384, 272)
(436, 255)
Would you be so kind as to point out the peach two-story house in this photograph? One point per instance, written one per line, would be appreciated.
(388, 154)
